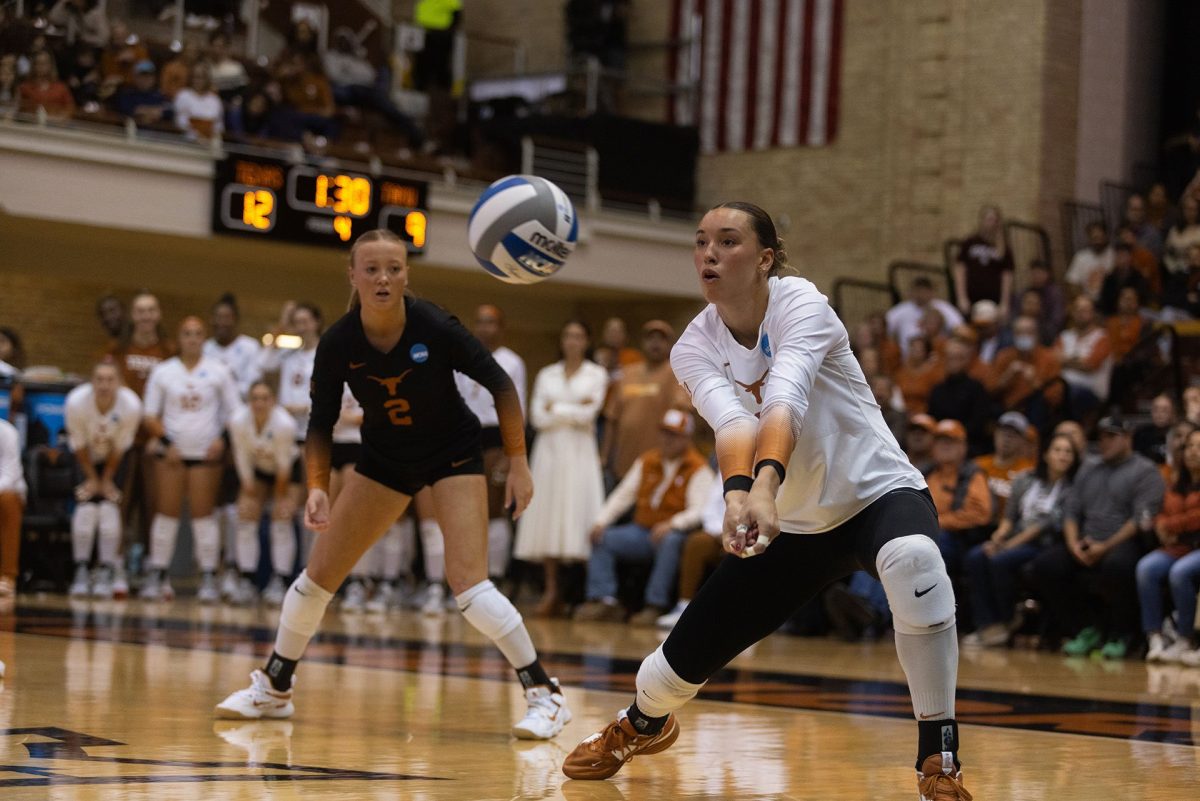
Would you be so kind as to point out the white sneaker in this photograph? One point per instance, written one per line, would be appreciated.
(157, 588)
(435, 601)
(546, 716)
(1175, 651)
(81, 586)
(120, 586)
(355, 597)
(1157, 647)
(209, 592)
(229, 583)
(1190, 657)
(259, 700)
(669, 620)
(102, 582)
(275, 591)
(384, 597)
(246, 593)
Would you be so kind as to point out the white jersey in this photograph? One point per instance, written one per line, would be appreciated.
(348, 427)
(241, 356)
(102, 433)
(12, 472)
(845, 456)
(271, 449)
(479, 400)
(193, 405)
(295, 376)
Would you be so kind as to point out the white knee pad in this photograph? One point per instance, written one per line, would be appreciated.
(917, 585)
(486, 608)
(303, 607)
(660, 691)
(163, 533)
(83, 530)
(109, 524)
(283, 547)
(248, 548)
(206, 540)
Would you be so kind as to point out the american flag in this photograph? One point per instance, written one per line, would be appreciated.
(767, 72)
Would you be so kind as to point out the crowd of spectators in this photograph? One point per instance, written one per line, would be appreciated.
(70, 60)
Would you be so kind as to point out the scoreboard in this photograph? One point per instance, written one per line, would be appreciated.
(271, 199)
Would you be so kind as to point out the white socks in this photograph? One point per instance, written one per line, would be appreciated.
(163, 533)
(283, 547)
(930, 662)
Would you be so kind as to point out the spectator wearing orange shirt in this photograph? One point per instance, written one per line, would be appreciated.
(43, 89)
(614, 353)
(1025, 370)
(308, 93)
(1011, 458)
(960, 493)
(1144, 261)
(873, 333)
(918, 375)
(1125, 327)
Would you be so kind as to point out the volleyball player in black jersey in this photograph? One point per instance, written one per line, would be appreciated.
(398, 355)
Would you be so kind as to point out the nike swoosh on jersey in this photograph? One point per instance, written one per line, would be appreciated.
(356, 365)
(460, 462)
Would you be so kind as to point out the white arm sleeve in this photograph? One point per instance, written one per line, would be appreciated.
(806, 329)
(76, 421)
(700, 373)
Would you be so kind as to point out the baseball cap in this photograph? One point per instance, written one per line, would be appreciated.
(1014, 420)
(144, 67)
(660, 326)
(1114, 425)
(985, 311)
(678, 422)
(924, 421)
(951, 429)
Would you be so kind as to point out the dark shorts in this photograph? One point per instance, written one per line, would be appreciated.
(343, 453)
(408, 479)
(264, 477)
(297, 472)
(747, 599)
(119, 478)
(231, 485)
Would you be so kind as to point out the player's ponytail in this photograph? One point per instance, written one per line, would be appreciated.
(768, 237)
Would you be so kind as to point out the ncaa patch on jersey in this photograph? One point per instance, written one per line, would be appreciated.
(764, 345)
(419, 353)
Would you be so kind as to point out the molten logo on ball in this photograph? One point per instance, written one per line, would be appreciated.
(522, 229)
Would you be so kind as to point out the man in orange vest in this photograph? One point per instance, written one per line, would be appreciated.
(667, 488)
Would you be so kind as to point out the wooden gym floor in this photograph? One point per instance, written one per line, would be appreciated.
(114, 700)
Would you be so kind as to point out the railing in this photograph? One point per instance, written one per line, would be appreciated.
(1113, 197)
(950, 251)
(854, 299)
(1027, 241)
(900, 274)
(1076, 217)
(574, 166)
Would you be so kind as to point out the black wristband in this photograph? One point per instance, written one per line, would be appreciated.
(165, 440)
(770, 463)
(738, 484)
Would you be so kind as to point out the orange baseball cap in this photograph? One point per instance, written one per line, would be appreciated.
(951, 429)
(924, 421)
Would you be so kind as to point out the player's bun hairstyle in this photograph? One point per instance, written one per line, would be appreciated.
(229, 300)
(768, 237)
(374, 235)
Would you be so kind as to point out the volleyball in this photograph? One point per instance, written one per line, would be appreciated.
(522, 229)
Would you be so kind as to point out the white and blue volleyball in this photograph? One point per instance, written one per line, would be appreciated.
(522, 229)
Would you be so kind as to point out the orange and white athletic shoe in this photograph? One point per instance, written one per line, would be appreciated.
(940, 780)
(602, 755)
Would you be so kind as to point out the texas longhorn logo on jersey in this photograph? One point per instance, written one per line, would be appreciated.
(755, 388)
(397, 408)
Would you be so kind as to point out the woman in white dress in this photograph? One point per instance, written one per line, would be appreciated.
(567, 397)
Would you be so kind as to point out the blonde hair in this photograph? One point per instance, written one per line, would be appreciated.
(374, 235)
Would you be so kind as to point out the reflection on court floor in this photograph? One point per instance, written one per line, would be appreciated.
(114, 701)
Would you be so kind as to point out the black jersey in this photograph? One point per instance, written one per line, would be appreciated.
(413, 415)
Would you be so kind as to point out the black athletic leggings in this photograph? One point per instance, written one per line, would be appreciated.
(747, 599)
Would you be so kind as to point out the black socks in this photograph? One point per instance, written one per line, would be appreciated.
(644, 723)
(936, 736)
(279, 671)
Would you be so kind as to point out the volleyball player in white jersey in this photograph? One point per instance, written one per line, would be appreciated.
(242, 355)
(295, 377)
(489, 329)
(102, 420)
(189, 399)
(816, 487)
(263, 438)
